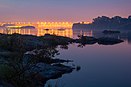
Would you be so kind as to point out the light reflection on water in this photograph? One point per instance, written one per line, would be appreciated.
(40, 32)
(59, 32)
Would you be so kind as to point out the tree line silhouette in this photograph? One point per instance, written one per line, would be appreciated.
(105, 22)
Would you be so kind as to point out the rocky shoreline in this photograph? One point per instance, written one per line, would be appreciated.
(31, 58)
(27, 59)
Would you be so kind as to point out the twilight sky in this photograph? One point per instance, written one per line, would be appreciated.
(62, 10)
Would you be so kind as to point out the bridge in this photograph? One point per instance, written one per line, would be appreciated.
(57, 28)
(44, 25)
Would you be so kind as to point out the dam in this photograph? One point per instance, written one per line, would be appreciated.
(41, 28)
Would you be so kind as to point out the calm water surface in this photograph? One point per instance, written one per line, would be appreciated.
(101, 66)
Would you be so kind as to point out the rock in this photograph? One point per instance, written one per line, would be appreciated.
(110, 32)
(17, 42)
(41, 56)
(108, 41)
(4, 84)
(50, 71)
(60, 61)
(86, 40)
(56, 40)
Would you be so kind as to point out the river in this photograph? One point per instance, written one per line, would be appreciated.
(101, 65)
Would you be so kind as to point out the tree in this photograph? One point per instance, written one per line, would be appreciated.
(129, 17)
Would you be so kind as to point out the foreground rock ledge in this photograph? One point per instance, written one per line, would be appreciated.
(45, 71)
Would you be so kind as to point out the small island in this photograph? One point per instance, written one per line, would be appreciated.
(111, 32)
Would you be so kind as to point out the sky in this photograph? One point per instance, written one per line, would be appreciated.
(61, 10)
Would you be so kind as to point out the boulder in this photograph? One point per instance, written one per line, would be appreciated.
(47, 71)
(109, 41)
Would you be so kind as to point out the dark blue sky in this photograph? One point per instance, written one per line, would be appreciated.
(62, 10)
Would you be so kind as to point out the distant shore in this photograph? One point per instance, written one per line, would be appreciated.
(104, 22)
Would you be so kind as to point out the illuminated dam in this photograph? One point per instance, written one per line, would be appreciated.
(41, 28)
(45, 25)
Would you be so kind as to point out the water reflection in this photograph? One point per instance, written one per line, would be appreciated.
(59, 32)
(129, 37)
(124, 35)
(19, 31)
(39, 32)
